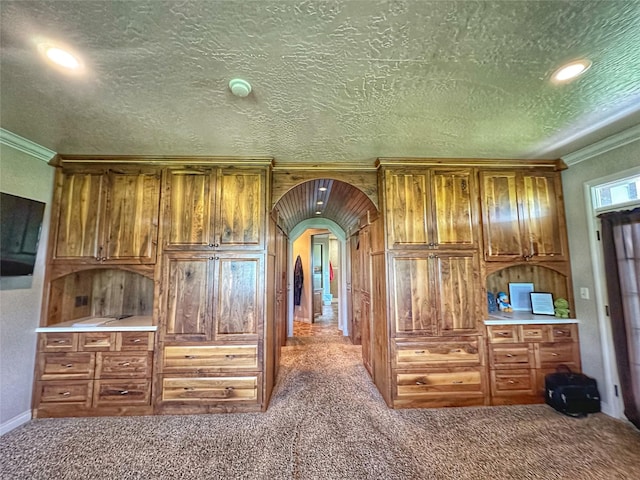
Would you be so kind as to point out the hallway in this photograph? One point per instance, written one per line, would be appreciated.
(323, 326)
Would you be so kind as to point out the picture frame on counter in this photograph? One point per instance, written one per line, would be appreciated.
(542, 303)
(519, 296)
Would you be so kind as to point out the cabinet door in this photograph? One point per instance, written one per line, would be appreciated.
(406, 209)
(189, 208)
(188, 287)
(132, 218)
(457, 279)
(81, 204)
(238, 304)
(544, 226)
(454, 201)
(501, 216)
(241, 214)
(412, 292)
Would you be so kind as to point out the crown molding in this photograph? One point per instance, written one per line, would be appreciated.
(27, 146)
(610, 143)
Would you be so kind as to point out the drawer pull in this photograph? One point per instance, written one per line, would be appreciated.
(503, 334)
(511, 382)
(229, 389)
(67, 365)
(60, 341)
(124, 392)
(125, 364)
(230, 356)
(553, 354)
(509, 355)
(457, 382)
(559, 332)
(135, 340)
(190, 357)
(65, 394)
(418, 382)
(419, 352)
(189, 389)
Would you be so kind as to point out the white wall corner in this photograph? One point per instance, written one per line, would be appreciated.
(15, 422)
(610, 143)
(27, 146)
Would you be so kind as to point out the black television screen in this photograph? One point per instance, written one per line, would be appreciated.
(20, 223)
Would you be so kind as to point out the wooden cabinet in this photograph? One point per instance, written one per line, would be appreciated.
(521, 355)
(212, 209)
(212, 297)
(523, 216)
(430, 293)
(106, 216)
(94, 373)
(431, 208)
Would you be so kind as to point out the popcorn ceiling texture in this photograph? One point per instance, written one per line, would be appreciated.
(333, 81)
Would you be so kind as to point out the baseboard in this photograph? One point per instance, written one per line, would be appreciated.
(15, 422)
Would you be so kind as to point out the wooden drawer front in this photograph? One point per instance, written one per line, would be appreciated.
(67, 392)
(58, 342)
(521, 381)
(210, 358)
(123, 365)
(121, 392)
(503, 333)
(218, 389)
(511, 356)
(563, 333)
(439, 382)
(97, 341)
(134, 341)
(550, 355)
(58, 366)
(409, 355)
(534, 333)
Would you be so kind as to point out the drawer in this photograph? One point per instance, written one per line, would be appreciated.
(58, 342)
(425, 354)
(511, 356)
(438, 382)
(503, 333)
(59, 366)
(550, 355)
(563, 333)
(121, 392)
(65, 392)
(123, 365)
(97, 341)
(126, 341)
(210, 389)
(518, 381)
(534, 333)
(214, 358)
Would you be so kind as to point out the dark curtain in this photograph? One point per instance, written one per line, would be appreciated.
(298, 281)
(621, 244)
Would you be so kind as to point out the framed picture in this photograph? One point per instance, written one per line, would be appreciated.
(542, 303)
(519, 296)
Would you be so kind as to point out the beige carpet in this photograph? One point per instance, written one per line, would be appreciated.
(327, 421)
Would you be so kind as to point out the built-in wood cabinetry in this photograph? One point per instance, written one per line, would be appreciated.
(106, 216)
(523, 215)
(94, 373)
(520, 356)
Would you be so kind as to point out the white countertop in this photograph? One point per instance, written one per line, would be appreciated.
(135, 323)
(524, 318)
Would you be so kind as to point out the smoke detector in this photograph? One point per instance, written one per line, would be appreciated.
(239, 87)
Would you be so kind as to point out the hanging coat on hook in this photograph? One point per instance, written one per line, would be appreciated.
(298, 281)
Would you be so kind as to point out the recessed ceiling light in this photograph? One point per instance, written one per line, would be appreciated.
(570, 71)
(60, 57)
(320, 202)
(323, 189)
(318, 213)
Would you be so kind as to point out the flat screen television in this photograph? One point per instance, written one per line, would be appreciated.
(20, 224)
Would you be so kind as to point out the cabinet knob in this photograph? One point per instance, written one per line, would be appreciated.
(211, 245)
(216, 245)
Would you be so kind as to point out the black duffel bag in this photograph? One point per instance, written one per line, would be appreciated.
(573, 394)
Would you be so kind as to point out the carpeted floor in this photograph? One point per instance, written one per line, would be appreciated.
(327, 421)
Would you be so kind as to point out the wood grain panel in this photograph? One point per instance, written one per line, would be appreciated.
(121, 392)
(412, 296)
(208, 389)
(454, 207)
(187, 286)
(67, 392)
(62, 366)
(123, 365)
(242, 209)
(81, 208)
(457, 305)
(406, 208)
(439, 382)
(208, 358)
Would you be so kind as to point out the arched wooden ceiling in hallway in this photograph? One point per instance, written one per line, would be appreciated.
(341, 202)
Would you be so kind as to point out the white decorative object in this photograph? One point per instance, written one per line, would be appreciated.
(519, 295)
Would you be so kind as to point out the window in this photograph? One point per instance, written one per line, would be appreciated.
(620, 192)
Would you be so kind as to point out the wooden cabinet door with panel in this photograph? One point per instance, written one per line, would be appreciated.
(413, 295)
(407, 208)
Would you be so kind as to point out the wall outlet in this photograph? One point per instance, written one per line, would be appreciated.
(584, 293)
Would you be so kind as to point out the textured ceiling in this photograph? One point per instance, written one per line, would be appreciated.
(333, 81)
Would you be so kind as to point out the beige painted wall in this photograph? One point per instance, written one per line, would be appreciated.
(22, 175)
(573, 179)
